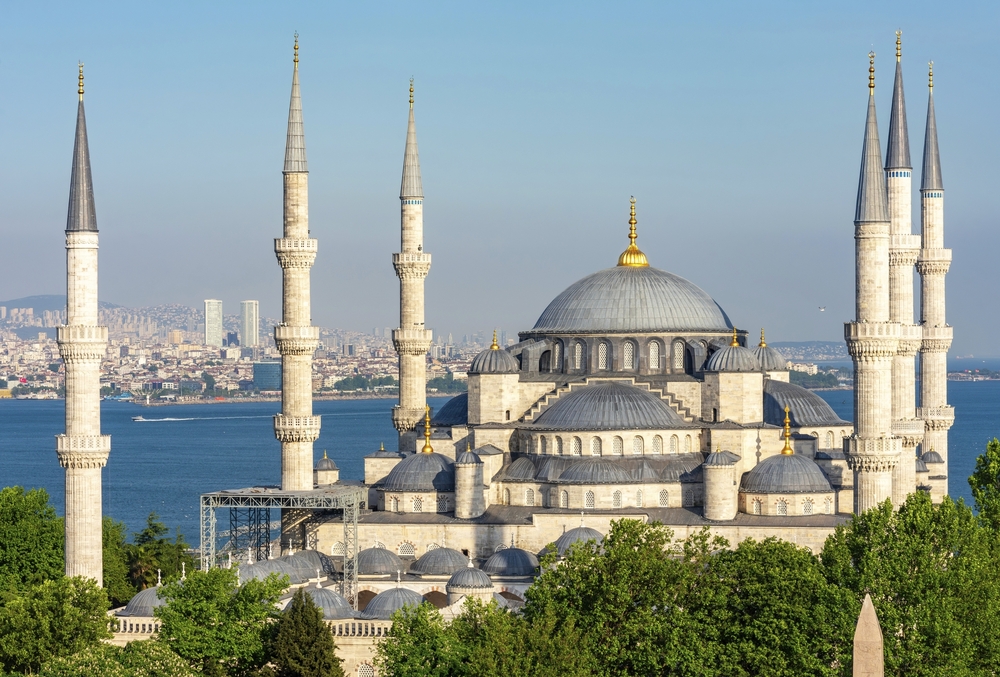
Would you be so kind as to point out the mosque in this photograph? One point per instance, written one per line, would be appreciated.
(632, 396)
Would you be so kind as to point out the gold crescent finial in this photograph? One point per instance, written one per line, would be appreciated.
(296, 58)
(381, 446)
(899, 45)
(871, 73)
(428, 449)
(411, 92)
(762, 343)
(787, 450)
(632, 257)
(324, 453)
(495, 345)
(80, 80)
(930, 75)
(736, 341)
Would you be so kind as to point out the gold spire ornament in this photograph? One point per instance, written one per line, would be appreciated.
(762, 343)
(632, 257)
(80, 79)
(788, 451)
(871, 73)
(899, 45)
(930, 76)
(495, 346)
(411, 93)
(296, 58)
(428, 449)
(736, 341)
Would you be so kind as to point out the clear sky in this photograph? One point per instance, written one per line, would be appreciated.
(737, 126)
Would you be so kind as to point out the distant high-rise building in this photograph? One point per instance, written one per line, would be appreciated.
(232, 339)
(267, 375)
(213, 322)
(175, 337)
(249, 324)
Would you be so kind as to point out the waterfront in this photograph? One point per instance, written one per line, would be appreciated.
(165, 463)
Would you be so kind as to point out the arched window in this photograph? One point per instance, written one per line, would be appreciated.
(687, 444)
(578, 355)
(559, 447)
(638, 498)
(595, 446)
(506, 496)
(545, 361)
(406, 550)
(782, 507)
(564, 499)
(433, 546)
(553, 498)
(442, 504)
(576, 447)
(602, 356)
(394, 504)
(678, 357)
(807, 506)
(673, 444)
(544, 444)
(418, 504)
(529, 496)
(664, 498)
(617, 446)
(657, 445)
(338, 549)
(616, 499)
(654, 355)
(829, 439)
(756, 506)
(828, 506)
(588, 500)
(557, 356)
(815, 433)
(637, 445)
(365, 670)
(628, 355)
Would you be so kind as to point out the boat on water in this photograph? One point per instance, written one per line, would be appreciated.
(138, 418)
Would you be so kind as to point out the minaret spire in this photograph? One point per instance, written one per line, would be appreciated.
(82, 451)
(295, 142)
(898, 151)
(411, 186)
(871, 204)
(931, 174)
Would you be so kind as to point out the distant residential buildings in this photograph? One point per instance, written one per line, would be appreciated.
(213, 322)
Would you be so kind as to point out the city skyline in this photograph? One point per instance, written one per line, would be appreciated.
(664, 118)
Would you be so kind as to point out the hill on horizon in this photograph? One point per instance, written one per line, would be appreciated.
(42, 302)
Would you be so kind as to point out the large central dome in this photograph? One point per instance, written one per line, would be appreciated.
(633, 299)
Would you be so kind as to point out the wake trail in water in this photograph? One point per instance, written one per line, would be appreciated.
(195, 418)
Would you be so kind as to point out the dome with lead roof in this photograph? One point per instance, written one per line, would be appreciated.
(469, 578)
(379, 562)
(440, 562)
(421, 472)
(785, 474)
(608, 405)
(330, 603)
(579, 535)
(383, 605)
(511, 562)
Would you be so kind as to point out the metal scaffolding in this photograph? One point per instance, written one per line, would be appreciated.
(250, 522)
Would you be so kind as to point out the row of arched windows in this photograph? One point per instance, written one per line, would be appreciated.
(417, 504)
(628, 358)
(781, 506)
(560, 497)
(636, 446)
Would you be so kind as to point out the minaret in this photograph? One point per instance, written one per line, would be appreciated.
(412, 264)
(872, 451)
(296, 338)
(82, 450)
(932, 265)
(904, 247)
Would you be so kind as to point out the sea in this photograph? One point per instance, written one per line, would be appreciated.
(163, 464)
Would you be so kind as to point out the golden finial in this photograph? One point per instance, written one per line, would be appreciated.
(762, 344)
(296, 59)
(80, 77)
(899, 45)
(495, 346)
(788, 451)
(411, 92)
(324, 453)
(871, 73)
(736, 341)
(632, 257)
(930, 75)
(428, 449)
(381, 446)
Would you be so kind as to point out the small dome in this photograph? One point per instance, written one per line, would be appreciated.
(785, 474)
(578, 535)
(511, 562)
(330, 603)
(379, 562)
(421, 472)
(469, 578)
(609, 405)
(806, 408)
(326, 463)
(921, 466)
(440, 562)
(733, 358)
(468, 458)
(494, 360)
(770, 359)
(521, 469)
(721, 459)
(931, 457)
(454, 412)
(383, 605)
(143, 603)
(596, 470)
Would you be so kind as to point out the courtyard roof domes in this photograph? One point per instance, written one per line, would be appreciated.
(469, 578)
(330, 603)
(421, 472)
(609, 405)
(383, 605)
(511, 562)
(440, 562)
(785, 474)
(579, 535)
(379, 562)
(143, 603)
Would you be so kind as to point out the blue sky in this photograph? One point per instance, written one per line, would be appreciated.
(737, 126)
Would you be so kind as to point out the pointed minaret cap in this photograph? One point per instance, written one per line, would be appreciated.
(931, 174)
(897, 152)
(869, 651)
(632, 257)
(411, 187)
(873, 204)
(295, 140)
(81, 215)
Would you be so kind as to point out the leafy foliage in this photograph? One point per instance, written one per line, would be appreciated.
(303, 645)
(419, 644)
(447, 384)
(153, 552)
(985, 484)
(360, 382)
(31, 538)
(116, 555)
(138, 659)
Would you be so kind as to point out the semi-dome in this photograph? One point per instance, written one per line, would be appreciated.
(632, 299)
(597, 470)
(520, 470)
(785, 474)
(330, 603)
(383, 605)
(439, 562)
(379, 562)
(731, 358)
(609, 405)
(494, 360)
(579, 535)
(511, 562)
(469, 578)
(770, 358)
(454, 412)
(806, 408)
(421, 472)
(143, 603)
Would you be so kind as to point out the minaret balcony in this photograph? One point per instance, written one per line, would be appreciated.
(81, 333)
(411, 257)
(944, 414)
(296, 428)
(296, 340)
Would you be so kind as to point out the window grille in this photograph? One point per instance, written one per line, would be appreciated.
(578, 355)
(687, 444)
(664, 498)
(657, 445)
(559, 446)
(506, 496)
(617, 446)
(756, 506)
(616, 499)
(588, 500)
(338, 549)
(529, 496)
(637, 445)
(678, 356)
(576, 447)
(673, 444)
(595, 446)
(654, 356)
(628, 355)
(406, 550)
(564, 499)
(418, 504)
(807, 507)
(782, 507)
(638, 498)
(602, 357)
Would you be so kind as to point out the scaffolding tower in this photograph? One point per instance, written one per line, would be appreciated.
(250, 522)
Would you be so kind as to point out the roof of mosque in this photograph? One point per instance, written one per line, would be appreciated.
(920, 465)
(733, 358)
(494, 360)
(143, 603)
(330, 603)
(931, 457)
(630, 299)
(511, 562)
(806, 408)
(609, 405)
(379, 562)
(454, 412)
(440, 561)
(785, 474)
(596, 470)
(469, 577)
(521, 469)
(770, 359)
(468, 458)
(721, 459)
(383, 605)
(421, 472)
(577, 535)
(872, 203)
(326, 463)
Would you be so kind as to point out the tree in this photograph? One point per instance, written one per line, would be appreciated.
(209, 381)
(31, 538)
(419, 644)
(303, 644)
(139, 659)
(55, 618)
(116, 557)
(985, 484)
(153, 554)
(217, 625)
